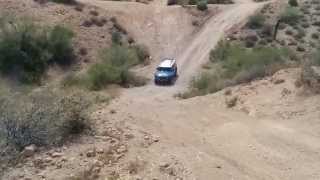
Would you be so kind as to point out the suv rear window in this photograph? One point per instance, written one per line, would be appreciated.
(164, 69)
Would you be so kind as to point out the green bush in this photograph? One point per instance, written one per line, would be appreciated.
(65, 1)
(258, 59)
(60, 45)
(291, 16)
(236, 64)
(293, 3)
(43, 118)
(193, 2)
(172, 2)
(114, 67)
(316, 58)
(116, 37)
(220, 52)
(26, 50)
(256, 21)
(202, 5)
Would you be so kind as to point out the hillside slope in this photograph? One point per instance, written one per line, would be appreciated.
(272, 132)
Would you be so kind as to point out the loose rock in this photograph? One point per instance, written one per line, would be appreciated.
(29, 150)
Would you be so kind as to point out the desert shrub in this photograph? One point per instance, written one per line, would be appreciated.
(291, 15)
(60, 45)
(315, 60)
(193, 2)
(172, 2)
(256, 21)
(309, 78)
(293, 3)
(220, 52)
(300, 33)
(256, 60)
(116, 37)
(238, 64)
(315, 35)
(114, 67)
(202, 5)
(220, 1)
(43, 118)
(26, 49)
(266, 30)
(142, 53)
(208, 83)
(65, 1)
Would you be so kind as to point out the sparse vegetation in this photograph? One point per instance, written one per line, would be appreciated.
(310, 75)
(316, 58)
(291, 15)
(197, 2)
(256, 21)
(66, 2)
(43, 118)
(28, 49)
(293, 3)
(236, 64)
(113, 68)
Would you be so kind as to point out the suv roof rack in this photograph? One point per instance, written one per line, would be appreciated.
(167, 63)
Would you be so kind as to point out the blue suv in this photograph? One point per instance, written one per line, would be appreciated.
(166, 72)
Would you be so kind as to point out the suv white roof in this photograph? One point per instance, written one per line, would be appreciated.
(167, 63)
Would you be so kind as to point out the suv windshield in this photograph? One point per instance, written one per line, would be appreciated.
(164, 69)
